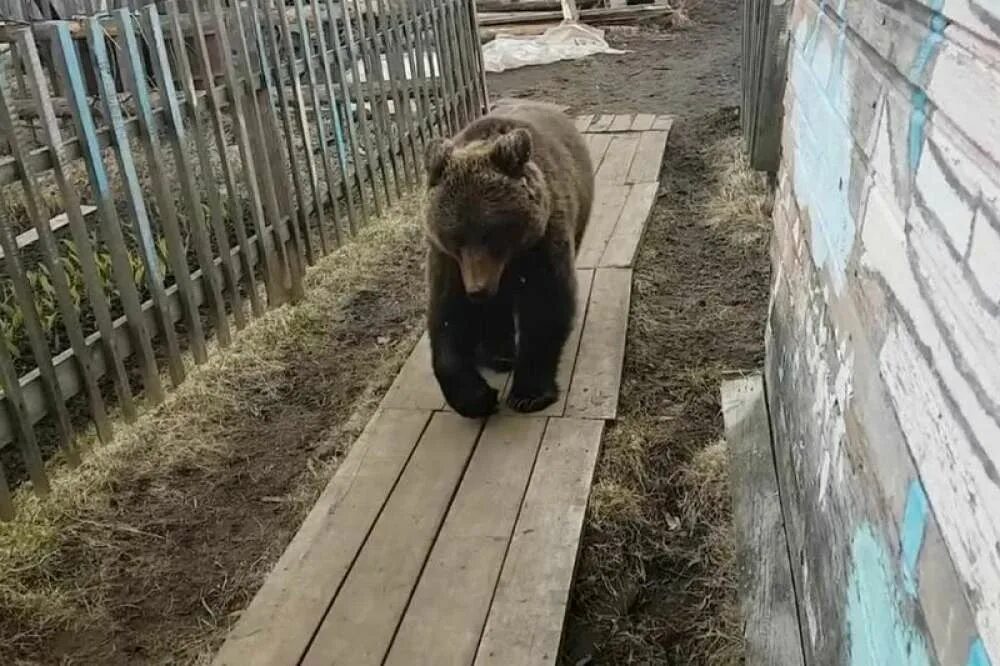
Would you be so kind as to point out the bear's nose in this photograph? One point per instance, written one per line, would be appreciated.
(479, 295)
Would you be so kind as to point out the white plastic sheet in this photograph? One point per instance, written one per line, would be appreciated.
(568, 41)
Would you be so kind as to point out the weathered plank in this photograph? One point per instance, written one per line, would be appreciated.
(6, 501)
(567, 361)
(648, 157)
(219, 133)
(415, 387)
(526, 618)
(360, 624)
(622, 123)
(207, 172)
(624, 242)
(663, 123)
(441, 627)
(277, 626)
(643, 122)
(608, 202)
(597, 376)
(602, 123)
(583, 122)
(75, 212)
(597, 144)
(68, 66)
(770, 624)
(615, 168)
(24, 295)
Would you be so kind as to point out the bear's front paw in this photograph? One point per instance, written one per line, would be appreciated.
(532, 396)
(473, 401)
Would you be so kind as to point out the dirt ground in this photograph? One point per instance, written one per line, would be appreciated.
(655, 582)
(147, 559)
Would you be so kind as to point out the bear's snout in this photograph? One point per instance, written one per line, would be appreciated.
(481, 273)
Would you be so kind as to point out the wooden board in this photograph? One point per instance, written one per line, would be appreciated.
(770, 626)
(643, 122)
(624, 242)
(360, 624)
(593, 392)
(583, 122)
(622, 123)
(415, 387)
(615, 168)
(602, 123)
(608, 203)
(526, 619)
(648, 157)
(597, 144)
(442, 627)
(278, 624)
(663, 123)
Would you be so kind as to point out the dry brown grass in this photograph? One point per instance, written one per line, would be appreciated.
(144, 553)
(656, 580)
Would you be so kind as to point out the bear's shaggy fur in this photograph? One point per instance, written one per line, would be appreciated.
(508, 201)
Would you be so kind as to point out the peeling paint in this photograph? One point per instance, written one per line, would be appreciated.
(912, 534)
(879, 635)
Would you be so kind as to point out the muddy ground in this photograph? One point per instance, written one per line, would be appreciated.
(148, 552)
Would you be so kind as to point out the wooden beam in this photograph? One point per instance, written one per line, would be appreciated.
(770, 626)
(597, 15)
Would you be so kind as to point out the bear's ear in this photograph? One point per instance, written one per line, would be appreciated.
(512, 151)
(436, 158)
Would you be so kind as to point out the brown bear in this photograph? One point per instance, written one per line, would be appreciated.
(508, 201)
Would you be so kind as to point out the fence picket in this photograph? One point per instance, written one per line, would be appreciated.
(389, 27)
(14, 402)
(358, 149)
(53, 139)
(137, 204)
(177, 136)
(182, 67)
(222, 147)
(338, 133)
(72, 76)
(60, 283)
(6, 501)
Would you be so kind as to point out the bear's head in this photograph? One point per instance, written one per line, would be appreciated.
(487, 202)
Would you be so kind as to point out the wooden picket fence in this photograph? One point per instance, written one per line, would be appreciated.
(166, 163)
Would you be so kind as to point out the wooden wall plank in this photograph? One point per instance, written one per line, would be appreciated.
(277, 626)
(440, 626)
(608, 203)
(526, 618)
(596, 381)
(767, 594)
(360, 625)
(624, 241)
(648, 157)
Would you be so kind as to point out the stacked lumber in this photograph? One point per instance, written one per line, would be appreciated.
(525, 17)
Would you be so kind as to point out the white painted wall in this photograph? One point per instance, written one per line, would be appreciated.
(884, 339)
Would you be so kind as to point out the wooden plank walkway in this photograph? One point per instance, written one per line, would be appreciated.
(443, 540)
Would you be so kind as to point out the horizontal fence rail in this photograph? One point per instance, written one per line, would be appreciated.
(168, 173)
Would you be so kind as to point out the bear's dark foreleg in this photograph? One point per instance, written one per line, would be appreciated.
(545, 309)
(453, 323)
(496, 345)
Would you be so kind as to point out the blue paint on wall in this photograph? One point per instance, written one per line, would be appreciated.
(918, 100)
(977, 654)
(911, 534)
(823, 143)
(879, 635)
